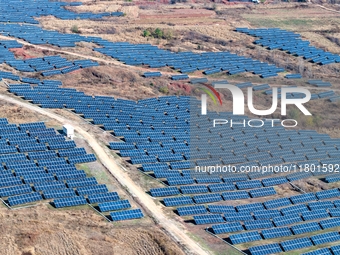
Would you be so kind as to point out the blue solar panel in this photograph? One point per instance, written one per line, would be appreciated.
(235, 195)
(335, 249)
(227, 228)
(323, 251)
(245, 237)
(286, 220)
(305, 228)
(81, 182)
(163, 192)
(177, 201)
(127, 215)
(67, 202)
(257, 224)
(23, 199)
(15, 190)
(114, 206)
(330, 223)
(207, 198)
(297, 243)
(221, 209)
(315, 214)
(194, 189)
(191, 210)
(208, 219)
(104, 197)
(265, 249)
(276, 232)
(59, 193)
(95, 189)
(325, 238)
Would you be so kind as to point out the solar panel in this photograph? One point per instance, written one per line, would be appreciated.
(280, 202)
(250, 207)
(297, 243)
(327, 194)
(249, 184)
(227, 228)
(194, 189)
(95, 189)
(240, 216)
(208, 219)
(265, 249)
(315, 214)
(177, 201)
(303, 198)
(67, 202)
(286, 220)
(245, 237)
(15, 190)
(235, 195)
(114, 206)
(276, 232)
(221, 187)
(325, 238)
(104, 197)
(23, 199)
(207, 198)
(266, 214)
(295, 209)
(127, 215)
(323, 251)
(191, 210)
(335, 249)
(334, 212)
(263, 192)
(330, 223)
(163, 192)
(257, 224)
(49, 186)
(305, 228)
(59, 193)
(221, 209)
(320, 205)
(81, 182)
(274, 181)
(180, 181)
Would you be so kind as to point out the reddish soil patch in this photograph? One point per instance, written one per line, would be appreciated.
(181, 13)
(20, 53)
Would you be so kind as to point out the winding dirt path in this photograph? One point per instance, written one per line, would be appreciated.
(122, 177)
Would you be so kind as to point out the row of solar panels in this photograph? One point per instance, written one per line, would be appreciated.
(18, 12)
(270, 204)
(291, 43)
(47, 65)
(298, 243)
(46, 176)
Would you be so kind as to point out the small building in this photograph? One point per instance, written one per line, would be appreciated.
(68, 130)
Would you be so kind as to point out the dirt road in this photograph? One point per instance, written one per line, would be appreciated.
(156, 211)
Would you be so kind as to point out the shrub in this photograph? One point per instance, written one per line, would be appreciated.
(158, 33)
(146, 33)
(74, 29)
(164, 90)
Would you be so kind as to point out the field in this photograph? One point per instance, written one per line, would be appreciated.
(191, 26)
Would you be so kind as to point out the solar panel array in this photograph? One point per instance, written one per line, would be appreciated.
(47, 172)
(164, 150)
(290, 42)
(157, 133)
(25, 12)
(49, 65)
